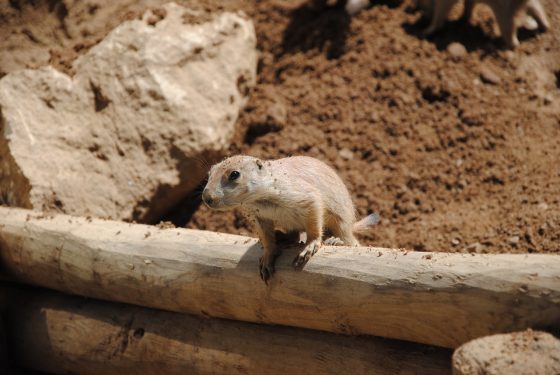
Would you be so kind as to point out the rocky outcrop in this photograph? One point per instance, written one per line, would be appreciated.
(132, 132)
(528, 352)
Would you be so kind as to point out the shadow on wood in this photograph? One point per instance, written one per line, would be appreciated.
(63, 334)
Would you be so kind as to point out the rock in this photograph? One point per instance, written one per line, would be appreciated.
(509, 55)
(277, 114)
(346, 154)
(456, 50)
(455, 241)
(488, 76)
(474, 248)
(354, 6)
(513, 240)
(530, 23)
(543, 206)
(129, 134)
(405, 98)
(528, 352)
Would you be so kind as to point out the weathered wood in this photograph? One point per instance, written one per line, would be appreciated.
(63, 334)
(434, 298)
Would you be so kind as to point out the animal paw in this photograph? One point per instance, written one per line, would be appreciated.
(334, 241)
(306, 254)
(266, 267)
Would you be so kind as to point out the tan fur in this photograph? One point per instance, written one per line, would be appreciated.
(295, 194)
(505, 11)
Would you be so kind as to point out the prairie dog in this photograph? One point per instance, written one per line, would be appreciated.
(351, 6)
(294, 194)
(505, 12)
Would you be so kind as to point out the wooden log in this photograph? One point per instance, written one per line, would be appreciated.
(4, 360)
(434, 298)
(61, 334)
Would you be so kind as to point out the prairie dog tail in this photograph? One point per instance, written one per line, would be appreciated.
(366, 223)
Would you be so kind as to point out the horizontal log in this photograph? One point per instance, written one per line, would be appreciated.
(61, 334)
(4, 358)
(434, 298)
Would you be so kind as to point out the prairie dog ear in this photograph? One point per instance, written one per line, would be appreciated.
(259, 163)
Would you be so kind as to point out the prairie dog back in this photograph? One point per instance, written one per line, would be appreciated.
(305, 175)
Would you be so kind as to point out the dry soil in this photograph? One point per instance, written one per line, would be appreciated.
(452, 139)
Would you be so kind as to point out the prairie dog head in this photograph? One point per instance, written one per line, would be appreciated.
(233, 182)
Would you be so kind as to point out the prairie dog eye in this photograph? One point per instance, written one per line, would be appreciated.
(234, 175)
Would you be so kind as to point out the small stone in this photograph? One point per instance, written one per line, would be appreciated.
(449, 85)
(346, 154)
(406, 99)
(488, 76)
(530, 24)
(277, 114)
(354, 6)
(455, 242)
(456, 50)
(474, 247)
(513, 240)
(147, 261)
(510, 55)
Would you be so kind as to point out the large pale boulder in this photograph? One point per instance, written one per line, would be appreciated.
(134, 129)
(528, 352)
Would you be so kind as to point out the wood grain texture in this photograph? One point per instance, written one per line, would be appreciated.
(63, 334)
(434, 298)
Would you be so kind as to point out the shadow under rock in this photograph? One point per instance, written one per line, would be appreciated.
(317, 26)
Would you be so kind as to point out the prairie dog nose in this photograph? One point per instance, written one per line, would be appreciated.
(207, 198)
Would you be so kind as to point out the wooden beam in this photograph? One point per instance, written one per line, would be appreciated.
(4, 358)
(62, 334)
(434, 298)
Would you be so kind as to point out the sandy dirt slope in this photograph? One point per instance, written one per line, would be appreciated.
(457, 149)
